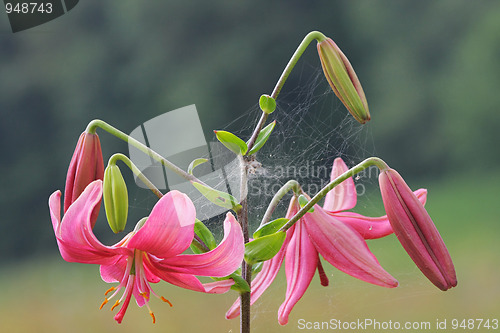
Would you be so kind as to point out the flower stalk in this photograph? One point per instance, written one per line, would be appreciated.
(371, 161)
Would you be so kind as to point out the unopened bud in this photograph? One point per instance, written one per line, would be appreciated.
(343, 79)
(115, 198)
(86, 166)
(267, 104)
(416, 231)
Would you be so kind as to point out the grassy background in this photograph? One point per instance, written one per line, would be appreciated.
(49, 295)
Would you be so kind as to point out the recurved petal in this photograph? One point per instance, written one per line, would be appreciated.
(372, 227)
(343, 196)
(301, 261)
(345, 249)
(76, 241)
(169, 228)
(221, 261)
(115, 272)
(186, 281)
(218, 287)
(367, 227)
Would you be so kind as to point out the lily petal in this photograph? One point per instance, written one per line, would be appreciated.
(186, 281)
(74, 235)
(301, 261)
(169, 228)
(218, 287)
(343, 196)
(221, 261)
(367, 227)
(372, 227)
(345, 249)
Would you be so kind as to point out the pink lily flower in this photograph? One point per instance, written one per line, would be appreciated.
(86, 166)
(416, 231)
(150, 253)
(338, 236)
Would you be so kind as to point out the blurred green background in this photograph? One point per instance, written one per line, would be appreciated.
(431, 74)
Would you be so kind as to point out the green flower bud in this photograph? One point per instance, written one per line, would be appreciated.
(267, 104)
(115, 198)
(343, 80)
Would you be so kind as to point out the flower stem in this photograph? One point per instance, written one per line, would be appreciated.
(121, 157)
(97, 123)
(284, 76)
(290, 185)
(295, 57)
(371, 161)
(246, 269)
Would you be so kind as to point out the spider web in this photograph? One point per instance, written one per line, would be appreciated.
(312, 129)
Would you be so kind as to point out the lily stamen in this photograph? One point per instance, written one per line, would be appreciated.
(103, 303)
(115, 305)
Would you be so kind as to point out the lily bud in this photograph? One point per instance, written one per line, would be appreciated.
(115, 198)
(86, 166)
(343, 79)
(416, 231)
(267, 104)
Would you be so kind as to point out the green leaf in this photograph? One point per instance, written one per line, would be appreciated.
(303, 201)
(240, 285)
(270, 227)
(195, 163)
(264, 248)
(257, 268)
(205, 236)
(262, 138)
(219, 198)
(232, 142)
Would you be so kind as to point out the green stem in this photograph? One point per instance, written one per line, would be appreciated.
(371, 161)
(119, 156)
(290, 185)
(246, 269)
(313, 35)
(97, 123)
(295, 57)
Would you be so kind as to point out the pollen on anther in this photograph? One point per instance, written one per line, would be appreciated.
(109, 290)
(152, 316)
(145, 295)
(103, 303)
(115, 305)
(166, 301)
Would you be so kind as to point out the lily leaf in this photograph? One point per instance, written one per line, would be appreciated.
(219, 198)
(240, 285)
(264, 248)
(270, 228)
(232, 142)
(205, 236)
(262, 138)
(195, 163)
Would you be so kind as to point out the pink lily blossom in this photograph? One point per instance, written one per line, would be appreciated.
(150, 253)
(338, 236)
(86, 166)
(416, 231)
